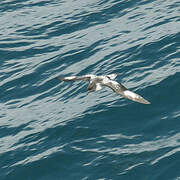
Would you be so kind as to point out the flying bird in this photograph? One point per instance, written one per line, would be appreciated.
(96, 83)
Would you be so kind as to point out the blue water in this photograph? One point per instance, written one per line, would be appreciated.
(51, 129)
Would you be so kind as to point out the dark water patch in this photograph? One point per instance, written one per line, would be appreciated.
(164, 103)
(14, 44)
(64, 157)
(167, 164)
(10, 131)
(9, 6)
(41, 3)
(26, 53)
(61, 160)
(21, 89)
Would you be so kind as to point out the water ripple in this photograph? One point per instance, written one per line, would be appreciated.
(102, 135)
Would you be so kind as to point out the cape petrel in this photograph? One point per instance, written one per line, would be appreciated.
(99, 82)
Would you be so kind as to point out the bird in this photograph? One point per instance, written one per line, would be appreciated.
(97, 83)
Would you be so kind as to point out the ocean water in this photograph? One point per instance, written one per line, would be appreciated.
(52, 130)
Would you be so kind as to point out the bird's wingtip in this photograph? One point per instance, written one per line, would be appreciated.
(140, 99)
(59, 78)
(135, 97)
(146, 102)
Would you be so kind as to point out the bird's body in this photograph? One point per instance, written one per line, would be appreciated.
(99, 82)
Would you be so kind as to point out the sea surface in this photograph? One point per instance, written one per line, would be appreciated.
(52, 130)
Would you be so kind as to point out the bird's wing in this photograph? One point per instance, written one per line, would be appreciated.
(94, 86)
(122, 90)
(135, 97)
(115, 86)
(112, 76)
(74, 78)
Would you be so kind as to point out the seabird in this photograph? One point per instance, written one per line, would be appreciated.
(96, 83)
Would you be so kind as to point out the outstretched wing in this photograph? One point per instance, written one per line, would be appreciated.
(122, 90)
(115, 86)
(112, 76)
(74, 78)
(135, 97)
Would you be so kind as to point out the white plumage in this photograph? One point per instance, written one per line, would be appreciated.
(99, 82)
